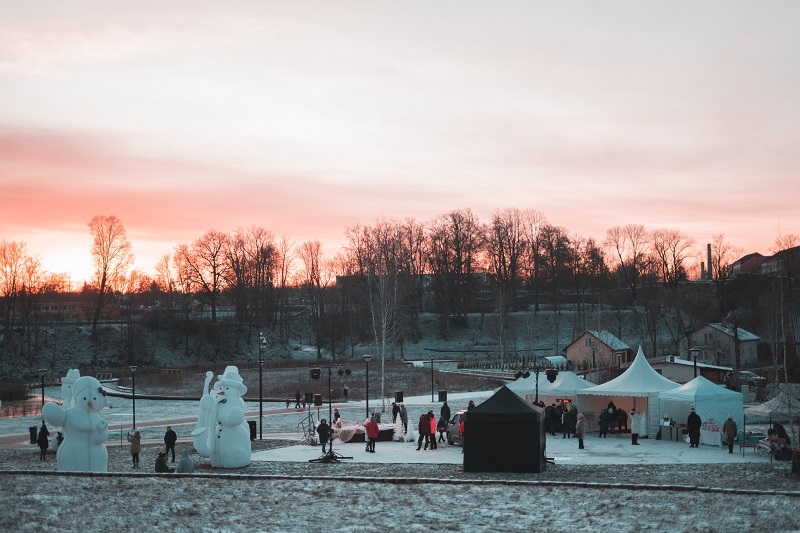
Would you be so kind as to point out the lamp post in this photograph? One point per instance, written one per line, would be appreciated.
(694, 352)
(432, 379)
(537, 368)
(42, 372)
(619, 364)
(262, 343)
(366, 359)
(133, 392)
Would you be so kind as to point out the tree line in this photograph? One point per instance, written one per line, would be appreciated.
(389, 272)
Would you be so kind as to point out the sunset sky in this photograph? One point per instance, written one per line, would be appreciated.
(309, 117)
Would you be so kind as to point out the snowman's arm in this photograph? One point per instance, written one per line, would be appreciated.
(54, 414)
(100, 434)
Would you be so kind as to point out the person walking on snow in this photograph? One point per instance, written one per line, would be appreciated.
(324, 432)
(432, 422)
(372, 430)
(43, 442)
(693, 425)
(580, 427)
(424, 429)
(634, 427)
(170, 438)
(729, 432)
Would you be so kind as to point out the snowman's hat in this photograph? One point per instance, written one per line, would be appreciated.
(231, 378)
(72, 375)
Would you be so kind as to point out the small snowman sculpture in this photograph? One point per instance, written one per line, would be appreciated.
(222, 434)
(67, 382)
(85, 432)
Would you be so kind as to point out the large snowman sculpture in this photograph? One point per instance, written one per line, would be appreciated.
(222, 433)
(67, 382)
(85, 433)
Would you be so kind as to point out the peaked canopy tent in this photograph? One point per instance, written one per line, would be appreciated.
(781, 406)
(710, 401)
(504, 434)
(639, 381)
(565, 385)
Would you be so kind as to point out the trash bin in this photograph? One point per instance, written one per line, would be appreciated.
(252, 425)
(32, 429)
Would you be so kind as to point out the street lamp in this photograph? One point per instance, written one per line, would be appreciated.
(694, 352)
(133, 392)
(366, 359)
(262, 343)
(42, 372)
(432, 379)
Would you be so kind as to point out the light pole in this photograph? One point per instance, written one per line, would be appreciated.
(694, 352)
(432, 379)
(262, 343)
(133, 392)
(619, 364)
(366, 359)
(42, 372)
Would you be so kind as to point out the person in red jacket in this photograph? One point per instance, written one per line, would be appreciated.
(372, 432)
(432, 421)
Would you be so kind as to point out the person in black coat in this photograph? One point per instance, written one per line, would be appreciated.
(43, 442)
(693, 424)
(444, 413)
(170, 438)
(603, 423)
(612, 416)
(324, 432)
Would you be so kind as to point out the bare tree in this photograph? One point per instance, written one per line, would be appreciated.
(205, 262)
(723, 256)
(112, 256)
(628, 246)
(532, 223)
(13, 256)
(455, 240)
(314, 281)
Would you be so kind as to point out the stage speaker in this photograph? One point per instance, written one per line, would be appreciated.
(309, 397)
(315, 373)
(317, 400)
(442, 395)
(398, 397)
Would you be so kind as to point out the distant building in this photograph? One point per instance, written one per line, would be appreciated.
(681, 371)
(598, 349)
(716, 345)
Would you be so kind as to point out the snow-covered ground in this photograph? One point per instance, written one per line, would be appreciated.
(396, 488)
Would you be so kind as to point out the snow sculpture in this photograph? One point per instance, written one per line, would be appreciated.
(67, 383)
(222, 433)
(85, 432)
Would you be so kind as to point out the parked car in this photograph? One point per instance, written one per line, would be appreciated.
(452, 428)
(748, 378)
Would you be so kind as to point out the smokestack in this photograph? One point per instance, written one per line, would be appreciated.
(702, 270)
(708, 252)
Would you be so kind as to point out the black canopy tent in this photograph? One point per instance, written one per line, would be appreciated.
(504, 434)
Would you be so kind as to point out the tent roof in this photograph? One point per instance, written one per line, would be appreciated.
(566, 384)
(699, 388)
(504, 401)
(638, 380)
(778, 406)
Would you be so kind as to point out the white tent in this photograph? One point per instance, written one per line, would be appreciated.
(781, 406)
(712, 402)
(565, 385)
(639, 381)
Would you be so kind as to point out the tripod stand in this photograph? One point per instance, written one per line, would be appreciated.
(330, 456)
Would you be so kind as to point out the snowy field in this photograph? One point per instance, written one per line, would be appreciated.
(657, 486)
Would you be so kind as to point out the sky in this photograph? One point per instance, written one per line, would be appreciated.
(306, 118)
